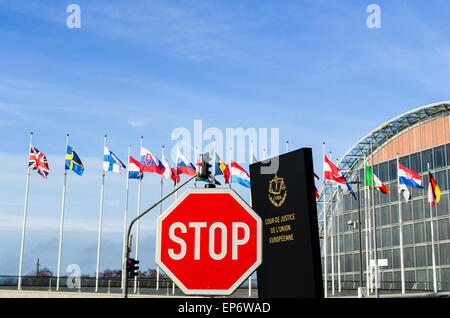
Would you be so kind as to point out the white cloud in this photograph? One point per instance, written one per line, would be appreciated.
(135, 123)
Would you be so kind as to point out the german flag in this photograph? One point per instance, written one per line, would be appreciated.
(434, 193)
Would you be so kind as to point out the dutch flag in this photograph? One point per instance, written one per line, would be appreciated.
(134, 170)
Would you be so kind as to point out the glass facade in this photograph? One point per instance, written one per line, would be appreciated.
(343, 239)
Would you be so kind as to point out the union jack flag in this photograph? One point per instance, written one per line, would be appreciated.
(38, 162)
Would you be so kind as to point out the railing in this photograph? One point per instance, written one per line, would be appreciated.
(144, 286)
(392, 285)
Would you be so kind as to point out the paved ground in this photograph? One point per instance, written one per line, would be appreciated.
(40, 292)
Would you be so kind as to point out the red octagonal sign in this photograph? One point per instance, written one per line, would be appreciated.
(209, 241)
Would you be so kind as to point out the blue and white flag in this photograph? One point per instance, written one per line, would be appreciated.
(111, 162)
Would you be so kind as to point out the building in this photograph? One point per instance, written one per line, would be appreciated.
(420, 137)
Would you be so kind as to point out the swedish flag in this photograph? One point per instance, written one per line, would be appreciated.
(73, 162)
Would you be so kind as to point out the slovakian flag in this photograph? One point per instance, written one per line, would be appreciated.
(150, 163)
(37, 161)
(407, 177)
(371, 180)
(434, 192)
(134, 169)
(184, 166)
(239, 175)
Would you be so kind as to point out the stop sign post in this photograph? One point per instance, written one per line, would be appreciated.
(209, 241)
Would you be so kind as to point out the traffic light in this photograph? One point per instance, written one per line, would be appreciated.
(204, 170)
(132, 268)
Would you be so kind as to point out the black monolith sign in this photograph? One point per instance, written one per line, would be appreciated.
(283, 195)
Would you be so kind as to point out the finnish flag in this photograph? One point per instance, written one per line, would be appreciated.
(111, 162)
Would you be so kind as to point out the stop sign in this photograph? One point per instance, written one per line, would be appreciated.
(209, 241)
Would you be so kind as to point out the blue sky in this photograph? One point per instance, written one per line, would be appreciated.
(310, 68)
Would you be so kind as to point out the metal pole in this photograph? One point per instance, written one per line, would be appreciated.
(100, 220)
(374, 228)
(366, 225)
(324, 226)
(141, 215)
(138, 223)
(19, 285)
(61, 222)
(160, 211)
(360, 237)
(400, 223)
(338, 243)
(332, 244)
(125, 216)
(432, 239)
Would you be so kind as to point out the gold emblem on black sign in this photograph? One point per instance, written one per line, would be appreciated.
(277, 191)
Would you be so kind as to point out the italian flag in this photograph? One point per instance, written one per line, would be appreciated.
(371, 180)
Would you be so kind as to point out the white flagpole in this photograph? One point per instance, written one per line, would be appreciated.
(338, 244)
(176, 177)
(374, 227)
(332, 244)
(61, 221)
(160, 212)
(100, 221)
(197, 168)
(400, 223)
(367, 227)
(136, 255)
(214, 164)
(125, 217)
(229, 168)
(324, 226)
(432, 239)
(287, 146)
(19, 285)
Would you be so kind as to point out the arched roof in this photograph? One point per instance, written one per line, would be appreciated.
(375, 140)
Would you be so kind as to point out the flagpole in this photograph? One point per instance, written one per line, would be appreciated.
(100, 220)
(61, 221)
(214, 164)
(367, 227)
(176, 177)
(324, 226)
(125, 217)
(338, 200)
(432, 236)
(287, 146)
(374, 226)
(229, 177)
(332, 244)
(136, 255)
(19, 285)
(197, 167)
(400, 223)
(160, 212)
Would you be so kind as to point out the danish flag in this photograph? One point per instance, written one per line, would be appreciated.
(38, 162)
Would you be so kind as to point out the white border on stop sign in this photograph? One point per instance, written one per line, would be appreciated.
(221, 292)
